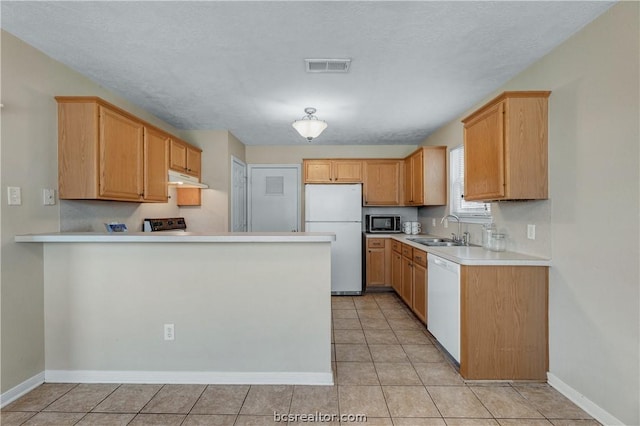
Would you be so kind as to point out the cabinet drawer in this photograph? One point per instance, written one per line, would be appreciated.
(407, 251)
(396, 246)
(420, 257)
(375, 242)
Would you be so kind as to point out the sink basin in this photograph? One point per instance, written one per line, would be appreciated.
(435, 242)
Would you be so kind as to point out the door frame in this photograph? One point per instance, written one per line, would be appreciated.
(298, 169)
(232, 195)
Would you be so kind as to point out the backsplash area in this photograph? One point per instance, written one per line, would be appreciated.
(407, 214)
(90, 215)
(510, 217)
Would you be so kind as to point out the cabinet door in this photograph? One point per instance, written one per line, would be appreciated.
(382, 186)
(406, 292)
(156, 156)
(417, 178)
(396, 272)
(347, 171)
(193, 160)
(177, 156)
(375, 267)
(420, 291)
(408, 181)
(120, 141)
(317, 171)
(484, 155)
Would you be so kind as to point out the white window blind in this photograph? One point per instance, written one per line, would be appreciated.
(471, 211)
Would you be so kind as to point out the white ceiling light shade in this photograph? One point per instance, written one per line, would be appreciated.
(309, 126)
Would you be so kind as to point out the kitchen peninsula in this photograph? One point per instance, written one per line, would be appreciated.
(182, 307)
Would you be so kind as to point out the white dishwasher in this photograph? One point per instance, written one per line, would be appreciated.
(443, 313)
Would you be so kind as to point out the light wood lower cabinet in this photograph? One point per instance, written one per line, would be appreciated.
(419, 299)
(396, 271)
(409, 277)
(504, 322)
(406, 290)
(378, 262)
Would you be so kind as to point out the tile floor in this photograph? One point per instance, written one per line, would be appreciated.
(386, 367)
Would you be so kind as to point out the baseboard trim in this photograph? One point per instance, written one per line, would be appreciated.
(583, 402)
(188, 377)
(17, 391)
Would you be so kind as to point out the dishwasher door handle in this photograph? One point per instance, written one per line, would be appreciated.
(440, 262)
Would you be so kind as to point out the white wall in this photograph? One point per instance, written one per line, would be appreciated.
(590, 222)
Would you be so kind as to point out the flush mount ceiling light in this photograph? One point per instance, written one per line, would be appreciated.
(309, 126)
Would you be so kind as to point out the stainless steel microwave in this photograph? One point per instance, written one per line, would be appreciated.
(382, 224)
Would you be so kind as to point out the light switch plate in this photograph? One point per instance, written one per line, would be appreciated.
(14, 195)
(48, 197)
(531, 232)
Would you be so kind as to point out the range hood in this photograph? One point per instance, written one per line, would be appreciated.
(181, 180)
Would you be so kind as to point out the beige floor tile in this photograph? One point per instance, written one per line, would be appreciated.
(346, 324)
(388, 353)
(457, 401)
(409, 401)
(365, 314)
(563, 422)
(15, 418)
(423, 353)
(371, 421)
(355, 337)
(381, 337)
(367, 400)
(396, 313)
(221, 399)
(505, 402)
(174, 399)
(551, 403)
(264, 400)
(311, 399)
(40, 397)
(83, 398)
(470, 422)
(338, 303)
(246, 420)
(209, 420)
(345, 313)
(437, 373)
(158, 420)
(523, 422)
(346, 352)
(128, 399)
(106, 419)
(415, 421)
(366, 304)
(412, 337)
(54, 419)
(405, 324)
(356, 373)
(375, 324)
(392, 373)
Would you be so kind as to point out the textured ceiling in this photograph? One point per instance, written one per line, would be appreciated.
(240, 65)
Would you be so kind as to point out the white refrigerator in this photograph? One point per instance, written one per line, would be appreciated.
(338, 208)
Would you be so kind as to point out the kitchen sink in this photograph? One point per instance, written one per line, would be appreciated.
(435, 242)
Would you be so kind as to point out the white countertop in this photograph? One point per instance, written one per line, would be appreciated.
(470, 255)
(178, 237)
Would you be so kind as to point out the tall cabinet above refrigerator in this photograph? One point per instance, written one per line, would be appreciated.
(338, 209)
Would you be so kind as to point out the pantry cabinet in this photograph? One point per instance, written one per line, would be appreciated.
(332, 171)
(382, 183)
(185, 158)
(505, 148)
(425, 177)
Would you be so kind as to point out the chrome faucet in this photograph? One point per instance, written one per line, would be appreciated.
(456, 238)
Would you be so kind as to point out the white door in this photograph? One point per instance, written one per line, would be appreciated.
(238, 195)
(274, 198)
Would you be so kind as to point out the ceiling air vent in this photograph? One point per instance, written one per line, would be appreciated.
(327, 65)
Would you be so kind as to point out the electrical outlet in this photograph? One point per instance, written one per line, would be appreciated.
(48, 197)
(433, 222)
(531, 232)
(14, 195)
(169, 332)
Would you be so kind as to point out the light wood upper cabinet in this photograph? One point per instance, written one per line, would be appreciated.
(382, 183)
(425, 177)
(505, 148)
(185, 158)
(332, 171)
(156, 156)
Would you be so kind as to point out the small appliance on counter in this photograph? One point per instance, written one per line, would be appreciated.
(164, 224)
(382, 224)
